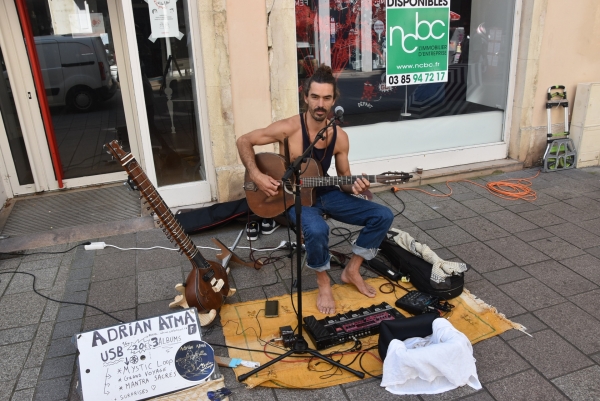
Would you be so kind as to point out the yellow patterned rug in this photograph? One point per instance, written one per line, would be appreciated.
(245, 326)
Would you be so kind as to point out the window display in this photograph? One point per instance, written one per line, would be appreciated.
(350, 35)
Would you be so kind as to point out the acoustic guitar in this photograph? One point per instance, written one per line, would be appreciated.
(274, 165)
(206, 285)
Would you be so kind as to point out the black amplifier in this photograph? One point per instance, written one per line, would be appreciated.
(338, 329)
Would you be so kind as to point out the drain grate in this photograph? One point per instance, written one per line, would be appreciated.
(45, 213)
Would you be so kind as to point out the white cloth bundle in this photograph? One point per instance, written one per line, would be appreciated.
(441, 269)
(430, 365)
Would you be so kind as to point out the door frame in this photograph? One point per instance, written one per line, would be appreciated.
(189, 193)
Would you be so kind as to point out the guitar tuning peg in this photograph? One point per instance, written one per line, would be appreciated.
(151, 213)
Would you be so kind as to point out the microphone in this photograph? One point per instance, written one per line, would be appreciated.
(339, 113)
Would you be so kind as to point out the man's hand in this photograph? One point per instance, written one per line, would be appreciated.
(360, 185)
(266, 184)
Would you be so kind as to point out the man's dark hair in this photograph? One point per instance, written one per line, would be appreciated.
(323, 75)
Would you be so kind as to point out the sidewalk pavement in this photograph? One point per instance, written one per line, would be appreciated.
(537, 262)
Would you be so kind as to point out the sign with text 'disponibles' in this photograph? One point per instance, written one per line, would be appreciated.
(145, 358)
(417, 41)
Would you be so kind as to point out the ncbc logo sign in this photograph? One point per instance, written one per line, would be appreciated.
(417, 41)
(417, 34)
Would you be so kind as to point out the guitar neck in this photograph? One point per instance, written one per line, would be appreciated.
(327, 181)
(170, 225)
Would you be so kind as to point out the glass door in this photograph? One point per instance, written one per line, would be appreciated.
(75, 49)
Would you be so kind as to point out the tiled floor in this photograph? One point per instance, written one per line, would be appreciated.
(537, 262)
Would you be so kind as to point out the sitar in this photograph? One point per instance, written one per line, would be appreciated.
(206, 285)
(274, 165)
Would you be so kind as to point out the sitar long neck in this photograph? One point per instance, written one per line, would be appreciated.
(326, 181)
(162, 212)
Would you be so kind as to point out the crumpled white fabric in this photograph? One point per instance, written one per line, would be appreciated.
(441, 268)
(430, 365)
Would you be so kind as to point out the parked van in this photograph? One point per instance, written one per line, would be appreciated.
(76, 71)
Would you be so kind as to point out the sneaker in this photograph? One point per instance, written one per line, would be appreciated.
(252, 231)
(267, 226)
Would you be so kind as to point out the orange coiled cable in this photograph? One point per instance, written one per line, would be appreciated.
(510, 189)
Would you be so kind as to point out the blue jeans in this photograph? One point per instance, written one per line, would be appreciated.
(348, 209)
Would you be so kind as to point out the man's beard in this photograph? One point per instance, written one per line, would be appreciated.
(317, 118)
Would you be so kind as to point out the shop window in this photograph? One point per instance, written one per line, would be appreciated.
(349, 35)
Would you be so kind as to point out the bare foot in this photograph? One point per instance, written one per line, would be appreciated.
(351, 275)
(325, 301)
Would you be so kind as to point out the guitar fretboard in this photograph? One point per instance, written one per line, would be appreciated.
(326, 181)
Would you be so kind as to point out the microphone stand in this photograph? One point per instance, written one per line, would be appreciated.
(300, 345)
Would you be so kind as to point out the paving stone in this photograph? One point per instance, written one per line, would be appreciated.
(589, 302)
(157, 258)
(557, 248)
(481, 228)
(101, 321)
(17, 334)
(542, 218)
(571, 213)
(527, 385)
(66, 329)
(574, 325)
(32, 266)
(594, 251)
(400, 221)
(480, 257)
(70, 312)
(495, 360)
(491, 295)
(157, 284)
(9, 264)
(57, 367)
(122, 241)
(82, 259)
(23, 395)
(452, 210)
(563, 281)
(457, 393)
(12, 359)
(561, 193)
(444, 253)
(529, 321)
(423, 237)
(53, 389)
(585, 265)
(534, 235)
(370, 390)
(327, 393)
(545, 199)
(575, 235)
(16, 313)
(532, 294)
(466, 196)
(509, 221)
(523, 207)
(593, 195)
(481, 395)
(584, 203)
(581, 386)
(28, 378)
(61, 347)
(448, 236)
(417, 211)
(482, 205)
(435, 223)
(6, 388)
(507, 275)
(152, 309)
(470, 275)
(592, 226)
(247, 277)
(517, 251)
(80, 274)
(112, 295)
(44, 279)
(550, 354)
(113, 266)
(40, 343)
(77, 297)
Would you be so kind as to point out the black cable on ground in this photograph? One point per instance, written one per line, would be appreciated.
(43, 253)
(61, 302)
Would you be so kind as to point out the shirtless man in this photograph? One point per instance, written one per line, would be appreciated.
(320, 93)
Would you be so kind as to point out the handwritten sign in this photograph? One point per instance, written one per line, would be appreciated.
(145, 358)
